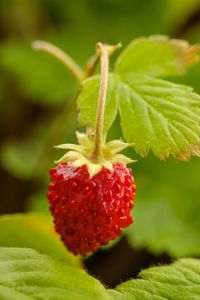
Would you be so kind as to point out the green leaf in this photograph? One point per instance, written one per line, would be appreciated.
(159, 115)
(157, 56)
(178, 281)
(87, 103)
(26, 274)
(33, 231)
(155, 114)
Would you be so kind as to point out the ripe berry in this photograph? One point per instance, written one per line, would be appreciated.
(89, 212)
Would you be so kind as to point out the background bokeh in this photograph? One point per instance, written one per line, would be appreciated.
(37, 110)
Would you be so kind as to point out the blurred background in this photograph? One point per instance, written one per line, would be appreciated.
(38, 110)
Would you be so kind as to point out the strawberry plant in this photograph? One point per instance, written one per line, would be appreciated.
(92, 191)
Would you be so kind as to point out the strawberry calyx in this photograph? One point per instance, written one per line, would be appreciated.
(82, 154)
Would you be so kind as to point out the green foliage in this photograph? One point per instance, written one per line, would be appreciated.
(178, 12)
(21, 159)
(155, 114)
(167, 207)
(41, 77)
(32, 157)
(27, 274)
(33, 231)
(156, 56)
(160, 116)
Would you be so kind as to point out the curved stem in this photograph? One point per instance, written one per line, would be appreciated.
(61, 56)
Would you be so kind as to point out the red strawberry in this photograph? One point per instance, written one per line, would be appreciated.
(89, 212)
(91, 200)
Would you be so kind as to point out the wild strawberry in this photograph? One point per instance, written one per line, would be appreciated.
(92, 191)
(91, 202)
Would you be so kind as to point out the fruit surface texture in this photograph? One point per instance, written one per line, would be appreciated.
(90, 212)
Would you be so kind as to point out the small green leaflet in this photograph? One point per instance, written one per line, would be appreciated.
(157, 56)
(155, 114)
(26, 274)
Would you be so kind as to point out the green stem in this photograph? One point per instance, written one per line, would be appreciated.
(104, 51)
(101, 101)
(73, 67)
